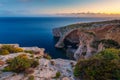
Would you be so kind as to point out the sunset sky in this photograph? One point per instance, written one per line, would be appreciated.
(43, 7)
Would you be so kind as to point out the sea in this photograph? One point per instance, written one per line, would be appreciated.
(37, 31)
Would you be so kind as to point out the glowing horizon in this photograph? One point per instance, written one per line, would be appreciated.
(38, 7)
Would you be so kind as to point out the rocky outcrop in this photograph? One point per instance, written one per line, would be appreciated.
(36, 50)
(56, 32)
(113, 33)
(63, 32)
(86, 36)
(46, 70)
(84, 49)
(72, 33)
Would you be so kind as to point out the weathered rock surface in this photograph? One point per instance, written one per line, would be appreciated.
(84, 35)
(71, 30)
(46, 70)
(84, 48)
(36, 50)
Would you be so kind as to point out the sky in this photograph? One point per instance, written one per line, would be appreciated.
(48, 7)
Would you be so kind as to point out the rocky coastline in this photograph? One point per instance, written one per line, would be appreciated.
(87, 37)
(81, 41)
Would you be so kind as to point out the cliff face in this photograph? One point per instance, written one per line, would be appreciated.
(114, 33)
(84, 49)
(58, 32)
(88, 38)
(63, 32)
(91, 37)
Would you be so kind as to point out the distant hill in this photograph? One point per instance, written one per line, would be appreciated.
(88, 14)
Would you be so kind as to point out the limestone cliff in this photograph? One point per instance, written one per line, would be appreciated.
(90, 38)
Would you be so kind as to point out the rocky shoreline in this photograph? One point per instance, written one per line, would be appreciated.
(85, 36)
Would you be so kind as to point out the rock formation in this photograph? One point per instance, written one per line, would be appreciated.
(88, 36)
(46, 70)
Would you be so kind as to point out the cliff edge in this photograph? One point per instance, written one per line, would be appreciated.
(89, 38)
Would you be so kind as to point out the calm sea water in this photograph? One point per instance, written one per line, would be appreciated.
(36, 31)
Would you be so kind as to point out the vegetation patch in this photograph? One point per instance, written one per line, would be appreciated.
(91, 33)
(29, 51)
(21, 63)
(4, 52)
(103, 66)
(7, 49)
(58, 74)
(108, 43)
(31, 77)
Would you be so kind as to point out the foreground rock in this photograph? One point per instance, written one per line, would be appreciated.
(48, 69)
(45, 71)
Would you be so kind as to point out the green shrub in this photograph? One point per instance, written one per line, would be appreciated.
(109, 54)
(29, 51)
(77, 70)
(35, 63)
(31, 77)
(7, 69)
(58, 74)
(91, 33)
(103, 66)
(15, 50)
(108, 43)
(4, 52)
(11, 49)
(21, 63)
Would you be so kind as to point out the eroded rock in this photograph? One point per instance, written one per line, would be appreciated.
(86, 35)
